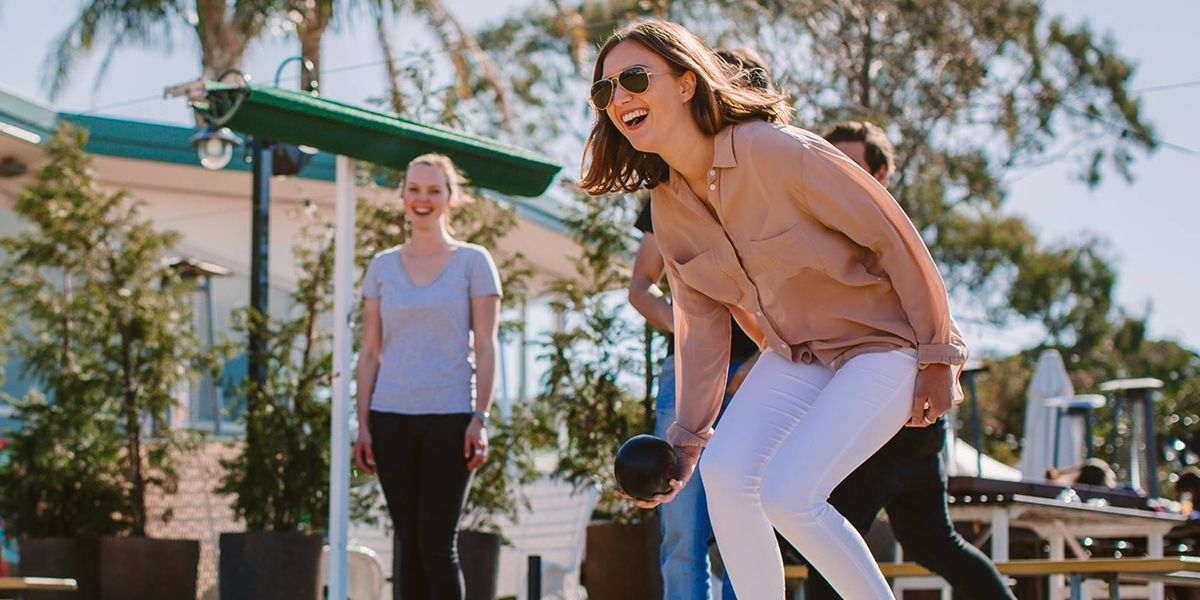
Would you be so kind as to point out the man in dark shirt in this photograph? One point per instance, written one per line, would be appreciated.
(686, 528)
(907, 476)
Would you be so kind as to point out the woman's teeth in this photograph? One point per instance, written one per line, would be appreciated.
(634, 117)
(422, 211)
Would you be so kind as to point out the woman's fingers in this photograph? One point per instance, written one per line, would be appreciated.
(658, 499)
(917, 416)
(939, 405)
(364, 458)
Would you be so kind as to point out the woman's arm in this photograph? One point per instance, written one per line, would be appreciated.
(364, 376)
(368, 359)
(644, 294)
(846, 199)
(702, 330)
(485, 316)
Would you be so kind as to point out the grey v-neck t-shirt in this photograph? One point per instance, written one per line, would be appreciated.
(427, 363)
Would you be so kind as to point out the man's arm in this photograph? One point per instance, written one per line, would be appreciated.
(644, 293)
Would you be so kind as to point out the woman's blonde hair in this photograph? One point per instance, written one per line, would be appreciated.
(612, 164)
(456, 183)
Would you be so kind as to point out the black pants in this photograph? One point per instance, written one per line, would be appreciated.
(907, 477)
(425, 480)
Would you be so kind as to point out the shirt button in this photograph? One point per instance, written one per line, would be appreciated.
(712, 186)
(712, 172)
(784, 347)
(759, 313)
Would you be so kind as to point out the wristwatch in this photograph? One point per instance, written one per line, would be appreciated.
(482, 415)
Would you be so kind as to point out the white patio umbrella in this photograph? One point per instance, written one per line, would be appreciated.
(964, 460)
(1050, 380)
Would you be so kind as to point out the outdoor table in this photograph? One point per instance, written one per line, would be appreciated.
(1177, 569)
(1061, 523)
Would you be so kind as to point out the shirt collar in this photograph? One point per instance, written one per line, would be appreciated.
(723, 157)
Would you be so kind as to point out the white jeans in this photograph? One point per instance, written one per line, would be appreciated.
(791, 434)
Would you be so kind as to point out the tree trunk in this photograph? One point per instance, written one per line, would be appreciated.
(461, 45)
(68, 295)
(310, 48)
(133, 442)
(868, 55)
(389, 61)
(222, 43)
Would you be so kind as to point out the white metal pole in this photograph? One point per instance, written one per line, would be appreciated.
(343, 374)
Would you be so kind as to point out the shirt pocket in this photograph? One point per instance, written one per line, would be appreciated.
(784, 255)
(703, 273)
(810, 246)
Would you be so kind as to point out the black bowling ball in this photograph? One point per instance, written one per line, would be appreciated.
(645, 466)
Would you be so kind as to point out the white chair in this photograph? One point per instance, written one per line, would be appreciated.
(364, 575)
(555, 528)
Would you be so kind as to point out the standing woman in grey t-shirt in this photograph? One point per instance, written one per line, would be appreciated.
(425, 374)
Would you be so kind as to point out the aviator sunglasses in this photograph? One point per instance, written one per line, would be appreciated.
(635, 80)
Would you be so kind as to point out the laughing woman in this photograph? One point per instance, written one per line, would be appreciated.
(422, 400)
(772, 225)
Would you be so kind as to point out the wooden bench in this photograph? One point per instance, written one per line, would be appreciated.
(1183, 570)
(49, 584)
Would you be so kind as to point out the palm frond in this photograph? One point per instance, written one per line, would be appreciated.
(463, 49)
(123, 22)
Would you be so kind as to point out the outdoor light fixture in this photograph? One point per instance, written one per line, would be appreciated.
(11, 166)
(215, 146)
(287, 159)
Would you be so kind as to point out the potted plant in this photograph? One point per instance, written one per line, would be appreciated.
(588, 390)
(280, 478)
(107, 335)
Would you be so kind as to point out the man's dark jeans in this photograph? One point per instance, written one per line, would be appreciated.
(907, 477)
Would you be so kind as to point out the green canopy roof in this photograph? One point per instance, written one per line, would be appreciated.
(294, 117)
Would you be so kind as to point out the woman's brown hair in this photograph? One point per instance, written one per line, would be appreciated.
(720, 100)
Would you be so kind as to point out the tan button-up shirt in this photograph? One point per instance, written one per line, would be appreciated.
(807, 251)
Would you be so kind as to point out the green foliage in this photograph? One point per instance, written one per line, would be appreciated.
(595, 356)
(225, 29)
(1070, 290)
(972, 94)
(1121, 351)
(513, 439)
(64, 476)
(107, 333)
(281, 476)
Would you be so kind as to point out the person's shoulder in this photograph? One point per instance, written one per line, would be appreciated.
(475, 252)
(765, 140)
(765, 132)
(387, 252)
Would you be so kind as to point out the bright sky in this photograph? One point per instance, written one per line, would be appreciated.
(1148, 223)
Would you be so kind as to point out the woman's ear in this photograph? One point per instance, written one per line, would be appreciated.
(687, 86)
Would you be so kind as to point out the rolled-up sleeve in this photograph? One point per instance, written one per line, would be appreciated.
(844, 198)
(702, 329)
(956, 340)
